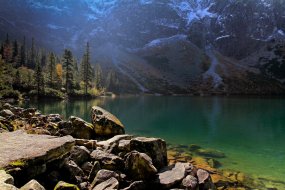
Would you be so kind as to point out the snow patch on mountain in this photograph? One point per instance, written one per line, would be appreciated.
(54, 27)
(146, 2)
(101, 8)
(193, 10)
(160, 41)
(39, 5)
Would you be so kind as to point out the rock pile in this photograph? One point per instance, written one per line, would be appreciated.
(46, 158)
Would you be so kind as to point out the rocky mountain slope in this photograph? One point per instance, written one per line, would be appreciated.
(163, 46)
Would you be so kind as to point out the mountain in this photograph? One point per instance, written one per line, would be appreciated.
(164, 46)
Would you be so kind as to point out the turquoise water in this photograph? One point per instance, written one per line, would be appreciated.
(250, 131)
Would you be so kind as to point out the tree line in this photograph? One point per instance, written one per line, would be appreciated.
(34, 69)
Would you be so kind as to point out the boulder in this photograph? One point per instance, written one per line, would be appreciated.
(105, 123)
(153, 147)
(139, 166)
(190, 183)
(104, 175)
(6, 113)
(75, 173)
(65, 186)
(110, 184)
(55, 118)
(32, 185)
(94, 170)
(111, 145)
(5, 186)
(107, 160)
(79, 154)
(211, 153)
(90, 144)
(169, 176)
(81, 128)
(6, 181)
(6, 178)
(25, 155)
(204, 179)
(137, 185)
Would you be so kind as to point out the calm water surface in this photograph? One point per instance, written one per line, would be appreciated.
(250, 131)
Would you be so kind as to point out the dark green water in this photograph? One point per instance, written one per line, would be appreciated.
(250, 131)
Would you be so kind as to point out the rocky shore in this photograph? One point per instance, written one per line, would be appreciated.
(40, 152)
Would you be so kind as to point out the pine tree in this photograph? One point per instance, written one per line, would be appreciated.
(23, 53)
(15, 49)
(86, 70)
(68, 66)
(112, 82)
(39, 78)
(98, 77)
(32, 58)
(51, 69)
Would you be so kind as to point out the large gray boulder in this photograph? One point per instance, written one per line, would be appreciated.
(139, 166)
(153, 147)
(105, 123)
(172, 175)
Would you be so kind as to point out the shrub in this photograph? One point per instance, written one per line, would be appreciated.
(10, 93)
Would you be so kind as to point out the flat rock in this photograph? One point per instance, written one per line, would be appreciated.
(21, 150)
(174, 174)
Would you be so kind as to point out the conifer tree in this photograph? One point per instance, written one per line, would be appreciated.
(39, 78)
(86, 70)
(68, 66)
(51, 70)
(23, 53)
(7, 51)
(98, 77)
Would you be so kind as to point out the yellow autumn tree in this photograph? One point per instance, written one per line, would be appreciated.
(59, 70)
(58, 77)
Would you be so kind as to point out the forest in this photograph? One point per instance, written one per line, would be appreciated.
(29, 71)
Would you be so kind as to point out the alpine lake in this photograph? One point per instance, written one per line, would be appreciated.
(249, 132)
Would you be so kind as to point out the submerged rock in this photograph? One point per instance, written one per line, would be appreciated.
(139, 166)
(211, 153)
(153, 147)
(105, 123)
